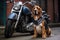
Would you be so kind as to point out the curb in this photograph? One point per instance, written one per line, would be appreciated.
(54, 24)
(2, 30)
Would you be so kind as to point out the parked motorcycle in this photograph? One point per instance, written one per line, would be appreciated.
(19, 20)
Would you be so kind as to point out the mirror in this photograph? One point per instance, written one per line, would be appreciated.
(9, 1)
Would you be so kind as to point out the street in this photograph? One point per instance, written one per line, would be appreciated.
(26, 36)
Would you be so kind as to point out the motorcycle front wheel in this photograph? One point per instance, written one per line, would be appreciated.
(9, 29)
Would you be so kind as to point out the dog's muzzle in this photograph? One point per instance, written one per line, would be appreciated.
(35, 12)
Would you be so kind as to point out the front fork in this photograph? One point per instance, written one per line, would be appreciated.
(18, 17)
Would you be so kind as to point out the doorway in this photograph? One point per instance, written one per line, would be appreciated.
(59, 9)
(2, 12)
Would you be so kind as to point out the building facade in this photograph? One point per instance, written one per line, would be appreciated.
(52, 8)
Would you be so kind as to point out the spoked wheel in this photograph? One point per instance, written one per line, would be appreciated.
(9, 29)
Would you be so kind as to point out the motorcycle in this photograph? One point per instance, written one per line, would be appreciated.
(19, 20)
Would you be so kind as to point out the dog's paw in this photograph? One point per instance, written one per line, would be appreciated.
(44, 36)
(34, 36)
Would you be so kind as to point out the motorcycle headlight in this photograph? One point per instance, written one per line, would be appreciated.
(17, 5)
(16, 8)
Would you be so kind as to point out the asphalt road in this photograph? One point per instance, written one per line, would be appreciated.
(26, 36)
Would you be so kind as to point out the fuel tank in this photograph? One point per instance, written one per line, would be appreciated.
(26, 10)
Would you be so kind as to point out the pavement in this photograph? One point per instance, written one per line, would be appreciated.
(26, 36)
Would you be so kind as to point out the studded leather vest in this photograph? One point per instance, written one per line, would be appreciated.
(37, 22)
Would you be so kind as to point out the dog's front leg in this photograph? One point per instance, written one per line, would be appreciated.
(35, 32)
(43, 30)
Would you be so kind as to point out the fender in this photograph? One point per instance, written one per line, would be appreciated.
(12, 16)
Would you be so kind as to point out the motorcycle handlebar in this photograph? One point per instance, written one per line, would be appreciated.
(32, 3)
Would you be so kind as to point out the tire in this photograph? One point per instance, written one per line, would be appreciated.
(9, 29)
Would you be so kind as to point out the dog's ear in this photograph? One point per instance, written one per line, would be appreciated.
(40, 9)
(32, 11)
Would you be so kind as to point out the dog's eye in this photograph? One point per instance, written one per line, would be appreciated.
(37, 8)
(33, 8)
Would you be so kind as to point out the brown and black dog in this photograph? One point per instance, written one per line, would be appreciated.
(39, 28)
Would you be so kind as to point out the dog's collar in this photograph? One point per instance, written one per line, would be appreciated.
(38, 21)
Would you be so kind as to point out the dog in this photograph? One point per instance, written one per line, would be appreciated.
(39, 23)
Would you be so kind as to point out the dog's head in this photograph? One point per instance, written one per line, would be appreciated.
(36, 12)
